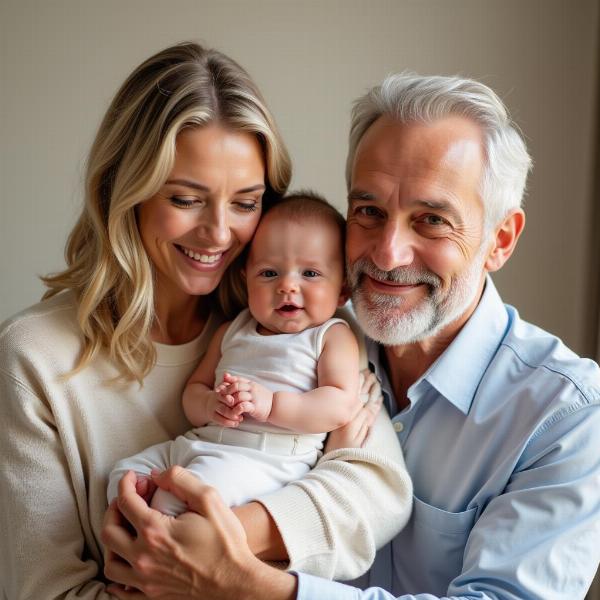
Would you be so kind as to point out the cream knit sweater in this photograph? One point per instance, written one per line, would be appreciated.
(60, 440)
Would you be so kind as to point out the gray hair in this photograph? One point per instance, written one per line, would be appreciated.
(408, 97)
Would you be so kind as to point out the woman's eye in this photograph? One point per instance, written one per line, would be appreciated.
(247, 206)
(183, 201)
(310, 273)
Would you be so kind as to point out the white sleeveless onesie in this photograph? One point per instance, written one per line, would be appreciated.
(256, 458)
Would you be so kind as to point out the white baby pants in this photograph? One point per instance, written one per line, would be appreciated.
(239, 473)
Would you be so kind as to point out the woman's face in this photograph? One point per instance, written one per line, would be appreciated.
(206, 212)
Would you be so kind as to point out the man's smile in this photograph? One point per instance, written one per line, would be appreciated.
(390, 287)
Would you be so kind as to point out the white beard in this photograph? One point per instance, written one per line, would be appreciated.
(381, 315)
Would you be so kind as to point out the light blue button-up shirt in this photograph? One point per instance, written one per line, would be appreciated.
(502, 440)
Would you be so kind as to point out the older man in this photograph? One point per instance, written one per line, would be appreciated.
(498, 420)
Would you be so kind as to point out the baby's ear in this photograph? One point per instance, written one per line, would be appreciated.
(243, 273)
(344, 295)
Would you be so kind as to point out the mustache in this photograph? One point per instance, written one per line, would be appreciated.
(410, 275)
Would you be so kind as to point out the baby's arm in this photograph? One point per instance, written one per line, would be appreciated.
(201, 403)
(335, 402)
(329, 406)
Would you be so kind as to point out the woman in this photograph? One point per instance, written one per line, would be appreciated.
(182, 164)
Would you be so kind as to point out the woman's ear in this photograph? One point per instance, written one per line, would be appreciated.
(506, 236)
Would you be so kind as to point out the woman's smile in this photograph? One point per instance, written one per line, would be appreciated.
(205, 213)
(201, 257)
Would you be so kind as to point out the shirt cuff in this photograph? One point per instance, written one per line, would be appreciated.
(310, 587)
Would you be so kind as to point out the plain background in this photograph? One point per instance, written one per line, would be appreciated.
(62, 60)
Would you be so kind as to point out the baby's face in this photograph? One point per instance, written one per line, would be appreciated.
(295, 273)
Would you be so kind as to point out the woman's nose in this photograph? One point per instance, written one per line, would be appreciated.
(216, 229)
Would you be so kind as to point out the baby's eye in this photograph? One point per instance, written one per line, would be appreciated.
(310, 273)
(269, 273)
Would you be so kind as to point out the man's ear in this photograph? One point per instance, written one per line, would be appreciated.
(505, 236)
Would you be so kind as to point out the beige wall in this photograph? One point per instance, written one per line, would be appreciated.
(62, 61)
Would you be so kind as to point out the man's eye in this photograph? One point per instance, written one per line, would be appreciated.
(310, 273)
(434, 220)
(367, 211)
(269, 273)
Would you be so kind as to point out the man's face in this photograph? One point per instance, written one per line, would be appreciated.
(415, 225)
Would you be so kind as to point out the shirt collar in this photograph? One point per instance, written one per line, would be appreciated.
(457, 372)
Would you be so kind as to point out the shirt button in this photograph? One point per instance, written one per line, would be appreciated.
(398, 426)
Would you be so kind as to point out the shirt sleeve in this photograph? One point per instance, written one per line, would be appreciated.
(539, 539)
(42, 546)
(310, 587)
(353, 502)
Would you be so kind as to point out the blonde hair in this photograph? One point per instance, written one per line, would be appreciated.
(107, 267)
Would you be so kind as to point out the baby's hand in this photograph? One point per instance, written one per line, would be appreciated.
(222, 407)
(246, 396)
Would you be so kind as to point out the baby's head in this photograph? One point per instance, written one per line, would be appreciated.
(295, 266)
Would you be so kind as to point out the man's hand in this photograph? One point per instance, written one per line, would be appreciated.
(200, 554)
(246, 397)
(355, 433)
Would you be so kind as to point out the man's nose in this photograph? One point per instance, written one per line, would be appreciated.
(394, 247)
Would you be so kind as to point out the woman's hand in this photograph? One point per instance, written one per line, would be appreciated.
(354, 434)
(199, 554)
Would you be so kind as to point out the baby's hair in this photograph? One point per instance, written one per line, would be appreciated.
(305, 205)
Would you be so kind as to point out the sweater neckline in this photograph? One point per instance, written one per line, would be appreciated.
(172, 355)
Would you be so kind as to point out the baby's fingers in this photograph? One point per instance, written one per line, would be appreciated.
(239, 386)
(243, 397)
(217, 418)
(229, 378)
(245, 407)
(227, 399)
(224, 419)
(232, 413)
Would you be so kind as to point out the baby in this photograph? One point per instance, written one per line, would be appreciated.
(279, 376)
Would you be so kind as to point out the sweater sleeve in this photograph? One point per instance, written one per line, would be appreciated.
(353, 502)
(42, 547)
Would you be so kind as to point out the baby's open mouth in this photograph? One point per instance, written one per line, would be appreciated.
(288, 308)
